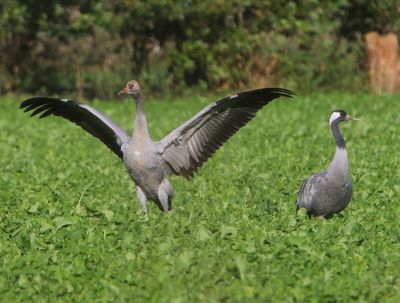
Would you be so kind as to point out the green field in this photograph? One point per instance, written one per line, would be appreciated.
(71, 229)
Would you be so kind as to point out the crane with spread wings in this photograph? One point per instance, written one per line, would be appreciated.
(181, 152)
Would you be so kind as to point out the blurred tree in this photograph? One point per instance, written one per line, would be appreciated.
(53, 47)
(231, 43)
(362, 16)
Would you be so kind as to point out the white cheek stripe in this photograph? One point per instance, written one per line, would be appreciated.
(333, 117)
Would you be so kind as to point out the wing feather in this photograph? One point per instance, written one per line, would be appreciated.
(198, 138)
(83, 115)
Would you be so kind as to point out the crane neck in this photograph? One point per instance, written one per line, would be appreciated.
(140, 133)
(340, 165)
(340, 143)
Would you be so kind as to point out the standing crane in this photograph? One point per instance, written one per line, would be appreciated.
(330, 190)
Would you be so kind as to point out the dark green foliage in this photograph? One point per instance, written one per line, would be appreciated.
(89, 47)
(230, 45)
(70, 231)
(363, 16)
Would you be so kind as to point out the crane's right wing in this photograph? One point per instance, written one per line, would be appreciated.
(187, 147)
(83, 115)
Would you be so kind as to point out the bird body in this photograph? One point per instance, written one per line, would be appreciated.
(323, 196)
(181, 152)
(330, 190)
(146, 170)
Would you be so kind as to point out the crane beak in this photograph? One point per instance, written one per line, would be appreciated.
(348, 118)
(123, 91)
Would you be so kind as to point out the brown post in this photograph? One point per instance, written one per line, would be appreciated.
(383, 62)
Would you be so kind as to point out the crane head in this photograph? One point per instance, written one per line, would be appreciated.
(131, 88)
(339, 115)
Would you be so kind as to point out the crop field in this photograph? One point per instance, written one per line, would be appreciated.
(71, 229)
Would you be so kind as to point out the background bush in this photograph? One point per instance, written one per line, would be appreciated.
(90, 48)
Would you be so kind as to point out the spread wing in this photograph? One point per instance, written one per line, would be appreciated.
(187, 147)
(83, 115)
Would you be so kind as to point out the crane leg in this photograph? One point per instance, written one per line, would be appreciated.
(165, 194)
(167, 188)
(142, 199)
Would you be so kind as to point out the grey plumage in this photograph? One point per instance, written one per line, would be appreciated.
(83, 115)
(181, 152)
(187, 147)
(330, 190)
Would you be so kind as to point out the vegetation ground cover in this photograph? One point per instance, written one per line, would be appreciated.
(71, 231)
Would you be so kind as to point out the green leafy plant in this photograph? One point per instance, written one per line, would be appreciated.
(70, 230)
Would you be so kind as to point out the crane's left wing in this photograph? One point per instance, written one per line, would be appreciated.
(187, 147)
(83, 115)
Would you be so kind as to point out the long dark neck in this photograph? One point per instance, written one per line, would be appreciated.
(140, 132)
(340, 143)
(340, 165)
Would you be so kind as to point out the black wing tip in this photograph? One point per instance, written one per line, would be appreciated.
(27, 102)
(267, 91)
(42, 100)
(281, 91)
(33, 100)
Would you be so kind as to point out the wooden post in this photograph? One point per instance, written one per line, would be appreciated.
(383, 62)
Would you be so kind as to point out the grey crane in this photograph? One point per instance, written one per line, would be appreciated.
(330, 190)
(181, 152)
